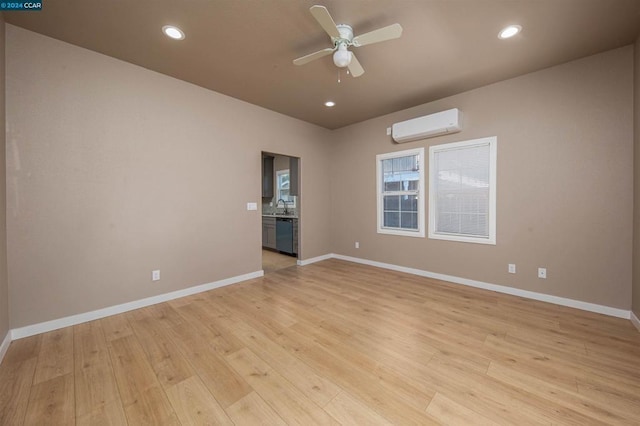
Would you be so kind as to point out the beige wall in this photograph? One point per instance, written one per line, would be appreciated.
(636, 180)
(565, 141)
(114, 171)
(4, 288)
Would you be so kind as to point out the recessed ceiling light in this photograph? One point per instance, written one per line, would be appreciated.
(173, 32)
(509, 31)
(329, 104)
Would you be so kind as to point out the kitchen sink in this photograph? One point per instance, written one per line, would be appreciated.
(289, 215)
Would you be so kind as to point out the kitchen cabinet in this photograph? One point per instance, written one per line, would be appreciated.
(267, 176)
(269, 232)
(294, 187)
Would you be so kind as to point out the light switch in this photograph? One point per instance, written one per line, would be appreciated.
(252, 206)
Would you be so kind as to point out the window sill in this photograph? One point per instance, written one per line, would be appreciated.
(390, 231)
(462, 239)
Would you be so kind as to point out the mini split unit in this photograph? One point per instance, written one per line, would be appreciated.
(440, 123)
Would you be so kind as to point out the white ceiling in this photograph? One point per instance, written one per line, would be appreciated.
(245, 48)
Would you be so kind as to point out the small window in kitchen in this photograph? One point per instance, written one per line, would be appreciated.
(400, 187)
(282, 188)
(462, 191)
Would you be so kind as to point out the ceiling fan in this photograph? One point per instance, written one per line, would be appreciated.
(342, 38)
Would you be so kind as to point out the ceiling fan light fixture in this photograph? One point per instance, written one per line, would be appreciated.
(173, 32)
(342, 57)
(510, 31)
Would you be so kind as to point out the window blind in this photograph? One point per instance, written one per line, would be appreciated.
(462, 186)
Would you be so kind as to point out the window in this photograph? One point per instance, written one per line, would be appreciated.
(400, 186)
(462, 191)
(282, 188)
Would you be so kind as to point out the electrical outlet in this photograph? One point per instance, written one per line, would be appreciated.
(542, 273)
(357, 244)
(512, 268)
(155, 275)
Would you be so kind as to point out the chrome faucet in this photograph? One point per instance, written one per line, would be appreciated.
(286, 210)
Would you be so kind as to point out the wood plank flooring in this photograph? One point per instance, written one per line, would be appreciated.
(330, 343)
(273, 261)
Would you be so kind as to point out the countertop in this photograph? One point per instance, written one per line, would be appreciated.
(289, 216)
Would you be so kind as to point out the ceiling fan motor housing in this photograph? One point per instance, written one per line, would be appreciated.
(346, 35)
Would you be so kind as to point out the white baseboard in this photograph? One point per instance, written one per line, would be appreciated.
(43, 327)
(315, 259)
(635, 321)
(30, 330)
(4, 347)
(585, 306)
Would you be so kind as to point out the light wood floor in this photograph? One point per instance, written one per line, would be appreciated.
(330, 343)
(273, 261)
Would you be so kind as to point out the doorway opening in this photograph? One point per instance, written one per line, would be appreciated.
(281, 207)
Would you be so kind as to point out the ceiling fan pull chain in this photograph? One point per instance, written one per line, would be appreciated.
(338, 75)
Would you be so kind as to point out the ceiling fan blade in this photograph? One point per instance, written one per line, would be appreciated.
(313, 56)
(325, 20)
(354, 66)
(376, 36)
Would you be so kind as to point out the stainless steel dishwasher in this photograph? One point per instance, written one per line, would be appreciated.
(284, 235)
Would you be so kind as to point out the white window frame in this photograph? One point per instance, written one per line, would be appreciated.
(420, 232)
(493, 149)
(292, 203)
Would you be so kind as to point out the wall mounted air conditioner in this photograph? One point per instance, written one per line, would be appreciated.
(440, 123)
